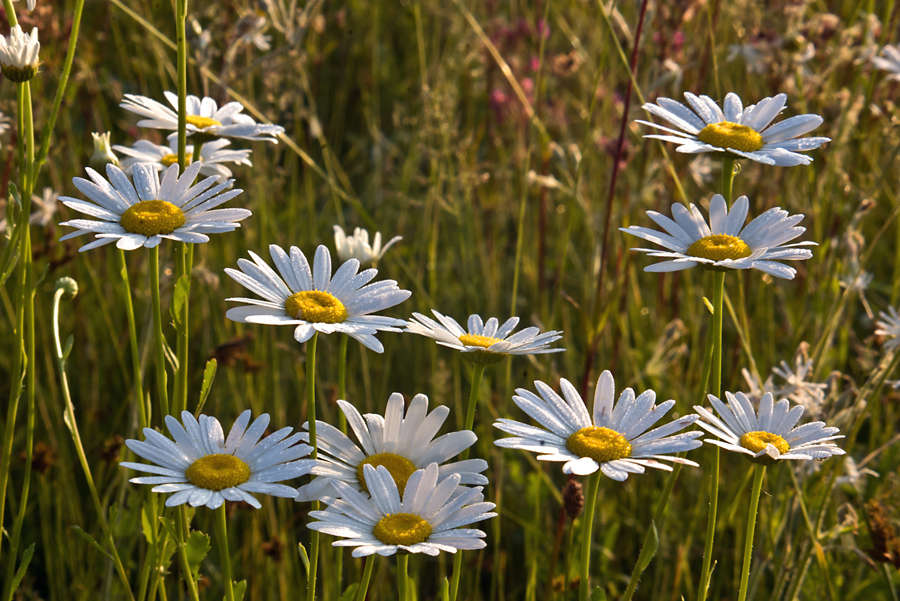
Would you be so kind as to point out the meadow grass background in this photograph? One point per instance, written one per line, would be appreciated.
(401, 120)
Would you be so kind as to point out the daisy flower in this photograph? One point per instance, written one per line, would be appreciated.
(889, 325)
(212, 155)
(484, 342)
(401, 444)
(19, 51)
(427, 520)
(143, 213)
(616, 442)
(204, 117)
(45, 209)
(744, 132)
(726, 243)
(202, 467)
(889, 61)
(357, 246)
(769, 436)
(313, 300)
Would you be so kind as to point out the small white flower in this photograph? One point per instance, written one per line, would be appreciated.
(103, 154)
(616, 442)
(45, 209)
(889, 326)
(427, 520)
(726, 242)
(19, 55)
(357, 246)
(484, 342)
(143, 213)
(212, 155)
(810, 395)
(313, 300)
(744, 132)
(400, 444)
(854, 474)
(202, 467)
(203, 117)
(889, 61)
(770, 436)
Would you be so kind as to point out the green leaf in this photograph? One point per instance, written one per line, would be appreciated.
(70, 340)
(14, 194)
(10, 255)
(169, 525)
(145, 523)
(209, 374)
(196, 547)
(709, 306)
(20, 573)
(239, 588)
(651, 544)
(350, 592)
(304, 558)
(179, 297)
(598, 594)
(445, 589)
(91, 540)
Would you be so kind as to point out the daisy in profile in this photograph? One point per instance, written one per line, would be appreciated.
(616, 441)
(212, 156)
(428, 519)
(889, 326)
(889, 61)
(202, 467)
(19, 54)
(204, 118)
(401, 444)
(143, 213)
(311, 299)
(357, 246)
(726, 243)
(743, 132)
(484, 342)
(770, 435)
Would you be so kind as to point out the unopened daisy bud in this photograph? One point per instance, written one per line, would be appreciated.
(68, 285)
(103, 154)
(19, 55)
(573, 499)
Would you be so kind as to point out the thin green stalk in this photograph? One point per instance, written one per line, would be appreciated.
(181, 41)
(342, 422)
(366, 577)
(182, 531)
(311, 413)
(751, 527)
(72, 424)
(133, 339)
(470, 422)
(158, 334)
(586, 532)
(403, 575)
(727, 178)
(888, 574)
(224, 555)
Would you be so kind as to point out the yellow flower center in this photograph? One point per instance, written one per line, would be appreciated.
(316, 306)
(719, 247)
(402, 529)
(171, 159)
(731, 135)
(400, 468)
(152, 217)
(757, 441)
(217, 472)
(600, 444)
(476, 340)
(202, 122)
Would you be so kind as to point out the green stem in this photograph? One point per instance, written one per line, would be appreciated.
(79, 448)
(133, 340)
(586, 531)
(403, 575)
(342, 422)
(224, 556)
(181, 40)
(311, 413)
(727, 178)
(470, 422)
(158, 334)
(751, 527)
(182, 531)
(366, 577)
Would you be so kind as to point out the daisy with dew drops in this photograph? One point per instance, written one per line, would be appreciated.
(765, 437)
(400, 443)
(205, 119)
(736, 130)
(726, 242)
(428, 518)
(151, 209)
(614, 440)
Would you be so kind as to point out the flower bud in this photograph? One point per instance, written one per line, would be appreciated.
(68, 285)
(103, 154)
(19, 51)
